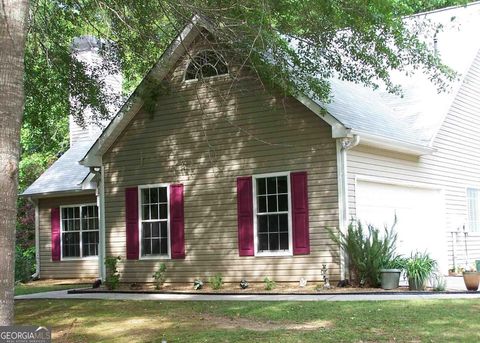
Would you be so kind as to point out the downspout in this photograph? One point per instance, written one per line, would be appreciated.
(100, 193)
(36, 275)
(343, 145)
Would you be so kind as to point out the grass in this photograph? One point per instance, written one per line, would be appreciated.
(36, 287)
(215, 321)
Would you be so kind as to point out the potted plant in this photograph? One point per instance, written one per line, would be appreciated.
(419, 267)
(471, 277)
(390, 273)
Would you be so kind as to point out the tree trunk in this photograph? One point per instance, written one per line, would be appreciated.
(13, 18)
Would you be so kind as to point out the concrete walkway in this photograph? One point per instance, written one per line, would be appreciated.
(248, 297)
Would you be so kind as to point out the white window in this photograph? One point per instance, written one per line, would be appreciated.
(79, 227)
(154, 221)
(206, 63)
(473, 209)
(272, 221)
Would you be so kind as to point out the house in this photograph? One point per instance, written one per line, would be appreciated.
(229, 177)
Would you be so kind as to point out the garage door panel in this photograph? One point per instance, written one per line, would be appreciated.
(420, 216)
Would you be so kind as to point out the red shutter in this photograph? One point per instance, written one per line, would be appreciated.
(301, 236)
(245, 216)
(177, 222)
(55, 222)
(131, 222)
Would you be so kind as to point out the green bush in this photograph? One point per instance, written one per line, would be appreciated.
(419, 267)
(112, 278)
(368, 251)
(159, 276)
(269, 284)
(24, 263)
(216, 281)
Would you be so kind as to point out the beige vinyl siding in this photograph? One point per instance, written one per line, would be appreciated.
(454, 166)
(81, 268)
(205, 137)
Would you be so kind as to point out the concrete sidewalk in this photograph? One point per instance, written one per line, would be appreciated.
(249, 297)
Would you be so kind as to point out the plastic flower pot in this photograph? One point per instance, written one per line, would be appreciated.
(390, 278)
(417, 285)
(472, 280)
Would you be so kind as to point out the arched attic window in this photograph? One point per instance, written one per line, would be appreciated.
(206, 63)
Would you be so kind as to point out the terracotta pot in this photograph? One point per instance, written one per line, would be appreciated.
(472, 280)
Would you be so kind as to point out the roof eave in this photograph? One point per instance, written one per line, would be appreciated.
(93, 158)
(393, 144)
(70, 192)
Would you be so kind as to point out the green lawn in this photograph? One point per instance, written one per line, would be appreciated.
(148, 321)
(37, 287)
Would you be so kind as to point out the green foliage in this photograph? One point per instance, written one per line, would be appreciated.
(419, 267)
(159, 276)
(112, 278)
(439, 283)
(216, 281)
(269, 284)
(367, 251)
(24, 263)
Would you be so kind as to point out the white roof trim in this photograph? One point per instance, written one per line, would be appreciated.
(93, 158)
(59, 193)
(393, 144)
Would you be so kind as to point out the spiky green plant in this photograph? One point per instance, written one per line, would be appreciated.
(368, 251)
(419, 267)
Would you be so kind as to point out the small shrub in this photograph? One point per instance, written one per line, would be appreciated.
(439, 283)
(368, 251)
(419, 267)
(159, 276)
(112, 278)
(216, 281)
(269, 284)
(197, 284)
(24, 263)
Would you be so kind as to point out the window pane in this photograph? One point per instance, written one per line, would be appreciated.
(283, 202)
(76, 223)
(272, 203)
(283, 222)
(262, 204)
(163, 211)
(146, 212)
(284, 241)
(85, 212)
(155, 246)
(156, 229)
(163, 229)
(271, 185)
(261, 186)
(145, 196)
(473, 209)
(273, 223)
(263, 242)
(146, 247)
(154, 195)
(262, 224)
(77, 212)
(64, 213)
(282, 184)
(154, 211)
(273, 241)
(164, 246)
(147, 231)
(71, 244)
(90, 244)
(163, 194)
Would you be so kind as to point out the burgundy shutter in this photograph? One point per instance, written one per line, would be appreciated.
(301, 236)
(131, 222)
(245, 216)
(55, 222)
(177, 222)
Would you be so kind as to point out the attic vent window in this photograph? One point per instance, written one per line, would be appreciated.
(206, 64)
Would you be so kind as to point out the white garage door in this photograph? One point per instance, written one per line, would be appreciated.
(420, 216)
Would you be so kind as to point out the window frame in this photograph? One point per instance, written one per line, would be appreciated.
(81, 257)
(140, 236)
(470, 231)
(208, 77)
(255, 225)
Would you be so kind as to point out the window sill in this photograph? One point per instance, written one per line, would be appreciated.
(89, 258)
(274, 254)
(155, 257)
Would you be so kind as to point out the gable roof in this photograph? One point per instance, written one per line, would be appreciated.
(65, 175)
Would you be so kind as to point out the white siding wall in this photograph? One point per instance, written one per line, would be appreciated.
(453, 167)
